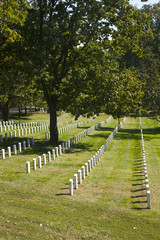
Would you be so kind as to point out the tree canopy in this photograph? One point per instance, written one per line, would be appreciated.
(75, 52)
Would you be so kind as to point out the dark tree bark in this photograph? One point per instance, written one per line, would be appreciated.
(5, 110)
(52, 103)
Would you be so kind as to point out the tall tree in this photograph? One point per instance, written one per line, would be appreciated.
(147, 65)
(64, 28)
(60, 32)
(12, 16)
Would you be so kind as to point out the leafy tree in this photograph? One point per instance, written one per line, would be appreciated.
(64, 28)
(127, 95)
(61, 33)
(89, 84)
(12, 16)
(147, 64)
(150, 68)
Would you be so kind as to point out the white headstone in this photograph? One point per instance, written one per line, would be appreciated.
(53, 154)
(28, 142)
(63, 149)
(14, 133)
(19, 133)
(28, 167)
(148, 199)
(86, 168)
(44, 159)
(3, 153)
(19, 147)
(24, 145)
(89, 165)
(79, 177)
(34, 163)
(91, 162)
(69, 144)
(9, 151)
(60, 149)
(75, 181)
(39, 161)
(71, 187)
(14, 149)
(83, 172)
(49, 156)
(56, 149)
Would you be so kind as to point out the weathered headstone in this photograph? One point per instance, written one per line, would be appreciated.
(56, 149)
(49, 156)
(28, 167)
(71, 187)
(53, 154)
(44, 159)
(19, 147)
(83, 172)
(89, 165)
(14, 149)
(75, 181)
(34, 163)
(9, 151)
(39, 161)
(86, 168)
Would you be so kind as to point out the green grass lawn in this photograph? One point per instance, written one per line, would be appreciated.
(110, 203)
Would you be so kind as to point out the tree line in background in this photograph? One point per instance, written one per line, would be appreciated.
(83, 57)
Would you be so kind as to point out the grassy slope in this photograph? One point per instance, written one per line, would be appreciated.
(106, 206)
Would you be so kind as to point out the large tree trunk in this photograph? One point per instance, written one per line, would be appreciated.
(52, 103)
(5, 110)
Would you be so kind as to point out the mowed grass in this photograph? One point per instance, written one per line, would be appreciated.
(110, 203)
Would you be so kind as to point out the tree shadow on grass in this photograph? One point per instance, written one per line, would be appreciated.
(79, 147)
(151, 131)
(135, 133)
(128, 134)
(39, 147)
(12, 141)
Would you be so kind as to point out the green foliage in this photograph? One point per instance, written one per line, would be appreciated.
(12, 17)
(12, 14)
(88, 85)
(70, 51)
(126, 95)
(132, 27)
(150, 68)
